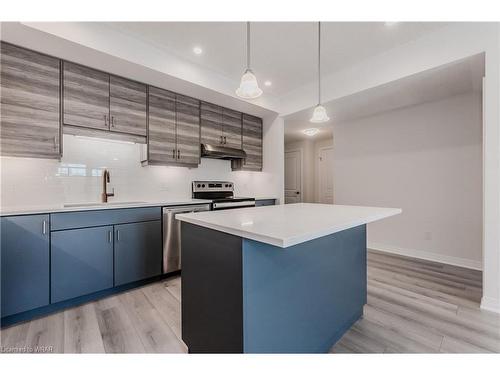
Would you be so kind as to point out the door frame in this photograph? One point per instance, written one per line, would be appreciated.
(301, 173)
(319, 174)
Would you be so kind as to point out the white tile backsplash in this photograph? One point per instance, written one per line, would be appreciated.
(76, 177)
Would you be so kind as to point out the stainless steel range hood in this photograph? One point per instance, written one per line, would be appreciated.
(221, 152)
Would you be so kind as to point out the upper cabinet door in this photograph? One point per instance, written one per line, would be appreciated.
(252, 145)
(188, 130)
(231, 121)
(211, 124)
(161, 136)
(86, 97)
(30, 89)
(127, 106)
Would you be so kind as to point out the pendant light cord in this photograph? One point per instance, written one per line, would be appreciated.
(248, 45)
(319, 63)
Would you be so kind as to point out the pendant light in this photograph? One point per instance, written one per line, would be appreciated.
(249, 88)
(319, 113)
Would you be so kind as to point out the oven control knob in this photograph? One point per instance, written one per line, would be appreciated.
(198, 185)
(203, 185)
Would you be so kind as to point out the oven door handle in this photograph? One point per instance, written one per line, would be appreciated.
(221, 205)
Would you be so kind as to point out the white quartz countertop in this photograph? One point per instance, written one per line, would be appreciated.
(290, 224)
(72, 207)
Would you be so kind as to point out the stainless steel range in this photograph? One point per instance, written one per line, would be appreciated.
(221, 193)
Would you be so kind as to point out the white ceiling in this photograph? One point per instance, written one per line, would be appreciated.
(451, 79)
(282, 52)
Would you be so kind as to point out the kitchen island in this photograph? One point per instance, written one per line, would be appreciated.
(273, 279)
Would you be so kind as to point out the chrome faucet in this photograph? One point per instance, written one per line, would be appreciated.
(105, 181)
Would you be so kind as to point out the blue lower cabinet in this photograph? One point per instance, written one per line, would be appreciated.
(138, 251)
(25, 263)
(81, 262)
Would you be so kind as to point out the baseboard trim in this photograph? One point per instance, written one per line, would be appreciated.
(490, 304)
(426, 255)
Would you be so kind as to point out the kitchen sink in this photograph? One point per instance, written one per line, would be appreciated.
(99, 204)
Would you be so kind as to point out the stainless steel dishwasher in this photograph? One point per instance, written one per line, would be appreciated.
(172, 234)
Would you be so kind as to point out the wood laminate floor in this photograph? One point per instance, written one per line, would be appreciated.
(414, 306)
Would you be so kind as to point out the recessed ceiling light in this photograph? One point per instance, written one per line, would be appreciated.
(311, 131)
(268, 83)
(197, 50)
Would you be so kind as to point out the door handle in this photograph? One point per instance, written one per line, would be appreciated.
(105, 120)
(44, 227)
(110, 236)
(221, 139)
(112, 121)
(117, 235)
(298, 192)
(55, 142)
(178, 154)
(225, 141)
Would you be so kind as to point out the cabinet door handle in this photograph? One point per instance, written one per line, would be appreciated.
(105, 120)
(110, 236)
(44, 227)
(178, 154)
(221, 139)
(117, 235)
(112, 121)
(55, 142)
(225, 141)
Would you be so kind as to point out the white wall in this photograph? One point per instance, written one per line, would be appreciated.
(38, 182)
(427, 160)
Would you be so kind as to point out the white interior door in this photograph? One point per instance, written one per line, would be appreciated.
(326, 175)
(293, 177)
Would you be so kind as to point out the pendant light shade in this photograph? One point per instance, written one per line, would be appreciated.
(319, 113)
(249, 88)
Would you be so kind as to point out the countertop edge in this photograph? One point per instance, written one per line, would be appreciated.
(290, 241)
(54, 210)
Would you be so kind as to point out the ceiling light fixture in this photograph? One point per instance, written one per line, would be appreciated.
(249, 88)
(268, 83)
(310, 132)
(319, 113)
(197, 50)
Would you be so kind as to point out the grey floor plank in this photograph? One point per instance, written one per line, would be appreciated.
(154, 332)
(81, 331)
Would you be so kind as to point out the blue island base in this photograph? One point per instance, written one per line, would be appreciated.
(244, 296)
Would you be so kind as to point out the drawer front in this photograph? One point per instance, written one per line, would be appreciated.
(83, 219)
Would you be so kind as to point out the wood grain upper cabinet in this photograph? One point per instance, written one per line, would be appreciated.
(127, 106)
(30, 115)
(174, 129)
(252, 145)
(85, 97)
(188, 130)
(231, 128)
(161, 137)
(211, 124)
